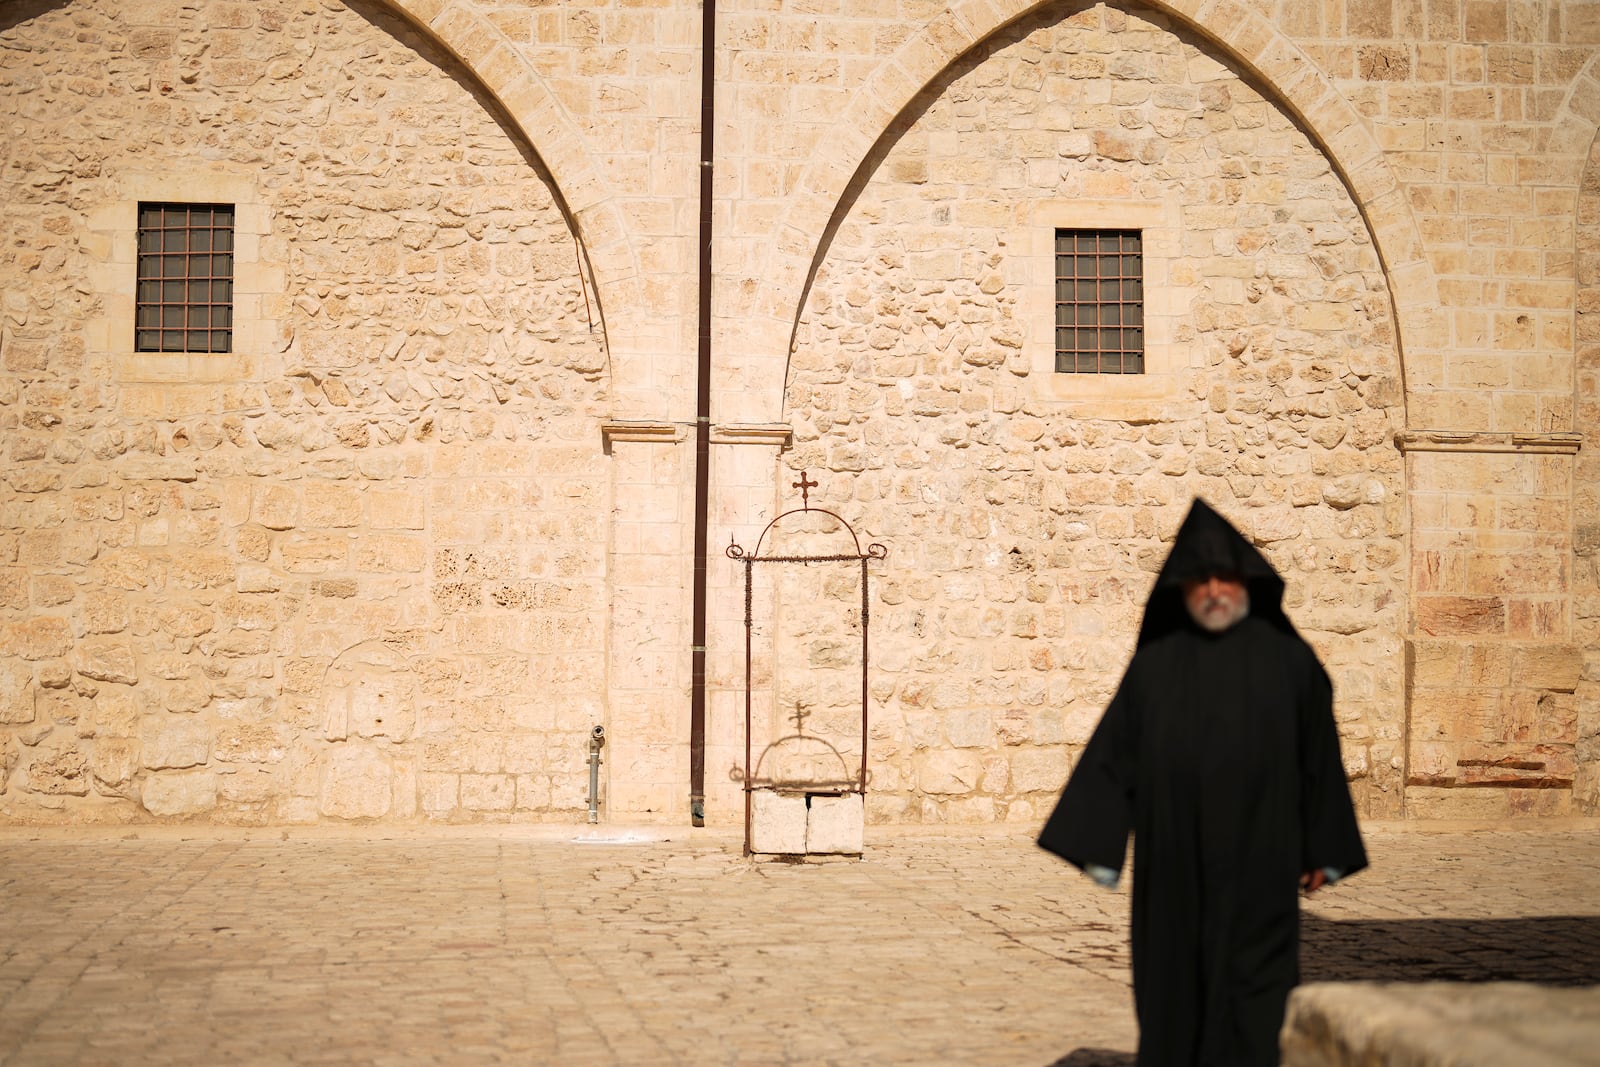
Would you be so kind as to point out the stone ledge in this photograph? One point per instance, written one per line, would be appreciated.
(639, 430)
(1483, 441)
(776, 434)
(1435, 1024)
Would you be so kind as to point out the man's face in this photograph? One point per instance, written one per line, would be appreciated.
(1216, 602)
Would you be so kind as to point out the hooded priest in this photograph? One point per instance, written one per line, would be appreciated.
(1219, 753)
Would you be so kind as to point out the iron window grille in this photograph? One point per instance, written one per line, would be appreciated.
(1099, 302)
(185, 282)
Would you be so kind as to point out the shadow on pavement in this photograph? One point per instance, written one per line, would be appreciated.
(1559, 950)
(1095, 1057)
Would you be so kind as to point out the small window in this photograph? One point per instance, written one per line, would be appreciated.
(185, 292)
(1099, 302)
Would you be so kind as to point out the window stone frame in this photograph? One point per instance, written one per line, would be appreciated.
(1166, 304)
(258, 287)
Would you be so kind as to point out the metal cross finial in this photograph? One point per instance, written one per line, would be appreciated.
(805, 488)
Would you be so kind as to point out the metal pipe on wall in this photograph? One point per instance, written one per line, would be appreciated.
(702, 427)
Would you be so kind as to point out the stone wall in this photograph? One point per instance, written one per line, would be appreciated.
(430, 520)
(355, 568)
(1024, 528)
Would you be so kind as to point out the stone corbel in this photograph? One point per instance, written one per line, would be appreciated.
(639, 430)
(777, 434)
(1563, 443)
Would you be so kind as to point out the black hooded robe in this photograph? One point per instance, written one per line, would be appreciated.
(1219, 753)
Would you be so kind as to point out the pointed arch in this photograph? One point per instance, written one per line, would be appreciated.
(582, 192)
(1247, 38)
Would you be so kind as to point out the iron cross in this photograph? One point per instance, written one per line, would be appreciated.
(805, 488)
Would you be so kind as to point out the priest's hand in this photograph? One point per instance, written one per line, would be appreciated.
(1311, 881)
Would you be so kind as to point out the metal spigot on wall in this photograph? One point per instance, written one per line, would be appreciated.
(597, 740)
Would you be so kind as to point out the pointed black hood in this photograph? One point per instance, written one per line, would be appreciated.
(1208, 544)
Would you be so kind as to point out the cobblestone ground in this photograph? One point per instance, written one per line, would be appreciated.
(150, 947)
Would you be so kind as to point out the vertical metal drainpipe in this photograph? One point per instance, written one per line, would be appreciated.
(702, 427)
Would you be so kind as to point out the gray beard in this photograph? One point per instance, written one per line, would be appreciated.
(1216, 621)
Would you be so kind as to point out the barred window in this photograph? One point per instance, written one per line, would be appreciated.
(1099, 302)
(184, 301)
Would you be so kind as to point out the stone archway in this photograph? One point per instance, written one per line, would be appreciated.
(1034, 514)
(1243, 35)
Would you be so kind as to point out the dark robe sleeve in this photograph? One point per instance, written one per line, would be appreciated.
(1330, 835)
(1091, 821)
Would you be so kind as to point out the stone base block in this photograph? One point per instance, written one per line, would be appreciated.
(793, 824)
(777, 823)
(835, 825)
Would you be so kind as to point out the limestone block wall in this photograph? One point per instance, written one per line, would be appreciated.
(1493, 719)
(430, 520)
(1026, 511)
(1586, 497)
(1485, 113)
(355, 568)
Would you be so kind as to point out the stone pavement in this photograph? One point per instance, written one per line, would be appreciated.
(519, 945)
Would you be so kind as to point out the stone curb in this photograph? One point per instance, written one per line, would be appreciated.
(1441, 1024)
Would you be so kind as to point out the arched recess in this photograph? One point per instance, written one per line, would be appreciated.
(1245, 36)
(1030, 520)
(580, 187)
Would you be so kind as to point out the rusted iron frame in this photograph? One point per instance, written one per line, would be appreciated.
(735, 552)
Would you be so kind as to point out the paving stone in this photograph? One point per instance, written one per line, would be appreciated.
(517, 945)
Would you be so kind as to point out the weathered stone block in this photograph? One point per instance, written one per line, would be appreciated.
(256, 579)
(42, 637)
(403, 788)
(356, 784)
(117, 712)
(247, 785)
(16, 692)
(1435, 663)
(314, 553)
(835, 825)
(488, 792)
(187, 696)
(116, 761)
(61, 706)
(1476, 805)
(106, 661)
(13, 588)
(396, 510)
(182, 793)
(390, 554)
(331, 504)
(278, 508)
(175, 743)
(969, 728)
(777, 823)
(105, 612)
(440, 793)
(534, 792)
(1461, 614)
(950, 772)
(1039, 770)
(64, 772)
(188, 620)
(1556, 667)
(1465, 713)
(249, 743)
